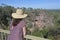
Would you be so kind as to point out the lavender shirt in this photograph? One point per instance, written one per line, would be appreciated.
(17, 32)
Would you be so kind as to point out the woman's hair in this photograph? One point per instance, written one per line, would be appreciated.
(16, 21)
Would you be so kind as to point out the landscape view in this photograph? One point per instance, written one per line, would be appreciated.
(42, 21)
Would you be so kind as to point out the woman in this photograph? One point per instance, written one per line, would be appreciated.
(17, 26)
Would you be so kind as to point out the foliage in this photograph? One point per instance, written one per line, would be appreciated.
(47, 32)
(5, 15)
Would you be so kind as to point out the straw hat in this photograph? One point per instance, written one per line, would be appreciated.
(19, 14)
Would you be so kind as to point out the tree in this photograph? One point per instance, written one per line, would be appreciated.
(5, 15)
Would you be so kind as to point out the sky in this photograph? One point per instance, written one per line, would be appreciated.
(45, 4)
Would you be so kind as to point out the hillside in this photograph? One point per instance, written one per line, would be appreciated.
(40, 22)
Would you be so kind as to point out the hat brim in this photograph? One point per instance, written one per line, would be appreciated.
(15, 15)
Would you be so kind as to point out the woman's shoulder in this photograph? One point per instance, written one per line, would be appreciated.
(23, 23)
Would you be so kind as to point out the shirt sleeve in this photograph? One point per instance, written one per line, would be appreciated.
(24, 23)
